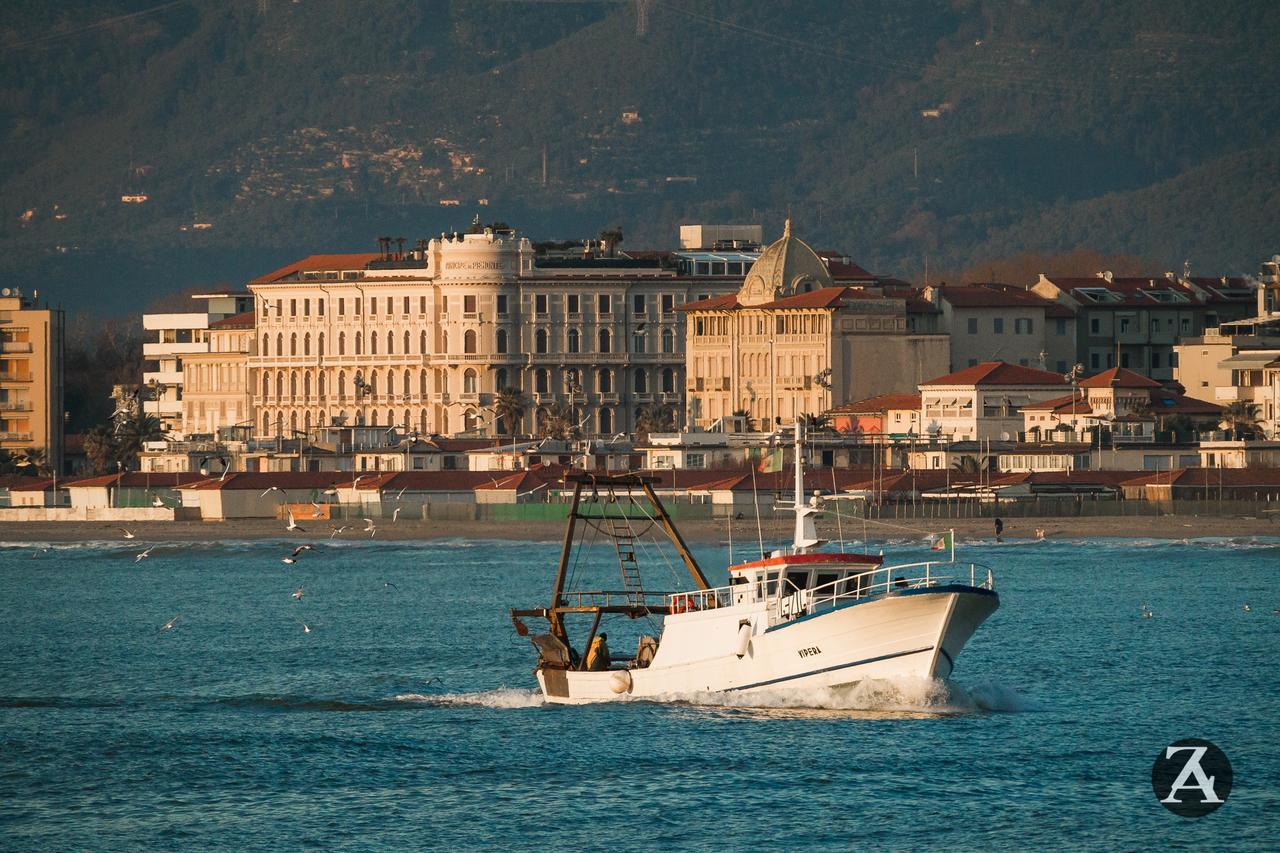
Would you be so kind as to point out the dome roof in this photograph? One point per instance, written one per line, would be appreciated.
(785, 268)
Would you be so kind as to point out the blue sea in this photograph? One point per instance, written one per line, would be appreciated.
(406, 717)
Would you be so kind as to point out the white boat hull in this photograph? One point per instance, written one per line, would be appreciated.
(912, 633)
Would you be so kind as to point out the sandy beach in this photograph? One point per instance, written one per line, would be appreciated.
(1162, 527)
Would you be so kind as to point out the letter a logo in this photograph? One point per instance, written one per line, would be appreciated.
(1191, 777)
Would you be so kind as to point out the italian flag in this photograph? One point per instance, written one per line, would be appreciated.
(945, 542)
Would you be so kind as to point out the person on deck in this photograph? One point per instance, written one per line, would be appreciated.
(598, 654)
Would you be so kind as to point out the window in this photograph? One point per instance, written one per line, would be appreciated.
(499, 378)
(391, 344)
(406, 343)
(574, 344)
(359, 343)
(668, 303)
(573, 303)
(542, 381)
(1124, 359)
(997, 325)
(1094, 361)
(540, 341)
(293, 308)
(668, 381)
(390, 308)
(320, 307)
(1186, 324)
(640, 383)
(469, 305)
(342, 306)
(540, 303)
(469, 381)
(1155, 360)
(356, 304)
(373, 343)
(973, 362)
(279, 309)
(606, 381)
(1023, 326)
(1124, 325)
(373, 305)
(603, 307)
(606, 421)
(342, 343)
(637, 341)
(469, 341)
(605, 340)
(306, 308)
(422, 304)
(668, 341)
(637, 304)
(293, 344)
(500, 341)
(973, 325)
(406, 305)
(1059, 327)
(502, 304)
(1095, 326)
(422, 342)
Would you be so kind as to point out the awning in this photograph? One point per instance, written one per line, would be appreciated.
(1254, 359)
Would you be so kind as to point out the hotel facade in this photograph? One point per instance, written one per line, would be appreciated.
(424, 341)
(32, 343)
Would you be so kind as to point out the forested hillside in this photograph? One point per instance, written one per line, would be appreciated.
(966, 130)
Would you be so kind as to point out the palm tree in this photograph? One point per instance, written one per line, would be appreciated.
(1239, 417)
(134, 432)
(971, 464)
(32, 462)
(746, 419)
(509, 407)
(558, 423)
(653, 418)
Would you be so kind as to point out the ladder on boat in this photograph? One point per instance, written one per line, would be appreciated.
(624, 541)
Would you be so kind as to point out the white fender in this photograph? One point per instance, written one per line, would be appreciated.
(620, 681)
(744, 639)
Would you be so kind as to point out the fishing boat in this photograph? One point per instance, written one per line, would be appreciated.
(797, 617)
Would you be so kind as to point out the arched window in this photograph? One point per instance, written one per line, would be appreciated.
(668, 341)
(444, 342)
(500, 378)
(372, 387)
(391, 344)
(422, 343)
(500, 341)
(406, 343)
(574, 343)
(293, 344)
(469, 381)
(266, 384)
(469, 341)
(342, 343)
(391, 383)
(306, 423)
(306, 344)
(637, 341)
(406, 388)
(422, 422)
(373, 343)
(422, 383)
(320, 383)
(606, 421)
(668, 381)
(605, 340)
(266, 423)
(542, 381)
(293, 422)
(406, 422)
(293, 384)
(266, 350)
(320, 344)
(279, 385)
(359, 343)
(572, 381)
(279, 343)
(641, 382)
(342, 385)
(540, 341)
(373, 418)
(606, 381)
(306, 385)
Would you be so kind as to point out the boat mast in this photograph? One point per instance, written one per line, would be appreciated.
(554, 624)
(806, 535)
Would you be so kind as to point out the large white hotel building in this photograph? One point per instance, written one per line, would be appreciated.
(424, 340)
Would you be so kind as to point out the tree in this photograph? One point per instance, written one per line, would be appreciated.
(509, 408)
(1241, 418)
(747, 420)
(971, 465)
(558, 423)
(132, 433)
(653, 418)
(32, 462)
(100, 450)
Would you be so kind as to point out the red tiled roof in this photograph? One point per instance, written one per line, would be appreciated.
(1070, 404)
(998, 373)
(991, 296)
(842, 270)
(1119, 377)
(312, 263)
(715, 303)
(1210, 477)
(823, 297)
(243, 320)
(139, 480)
(1180, 404)
(1130, 290)
(882, 403)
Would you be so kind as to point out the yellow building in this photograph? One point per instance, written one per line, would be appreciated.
(791, 342)
(215, 384)
(31, 381)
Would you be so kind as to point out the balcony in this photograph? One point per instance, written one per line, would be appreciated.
(156, 350)
(15, 377)
(1228, 394)
(162, 377)
(15, 405)
(15, 436)
(15, 346)
(162, 407)
(175, 321)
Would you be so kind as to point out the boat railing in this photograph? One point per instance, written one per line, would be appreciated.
(882, 581)
(701, 599)
(587, 599)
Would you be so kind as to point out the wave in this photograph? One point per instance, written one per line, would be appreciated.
(915, 696)
(503, 697)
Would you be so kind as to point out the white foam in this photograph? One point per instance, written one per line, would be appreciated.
(901, 695)
(503, 697)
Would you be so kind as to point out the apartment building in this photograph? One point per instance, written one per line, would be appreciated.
(32, 344)
(215, 383)
(984, 402)
(991, 321)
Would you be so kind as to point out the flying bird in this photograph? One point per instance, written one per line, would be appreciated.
(370, 527)
(336, 530)
(318, 509)
(293, 525)
(300, 549)
(386, 584)
(166, 626)
(37, 552)
(306, 629)
(297, 594)
(270, 490)
(144, 554)
(395, 515)
(157, 502)
(128, 534)
(1247, 608)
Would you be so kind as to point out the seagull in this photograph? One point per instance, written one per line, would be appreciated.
(1146, 612)
(293, 525)
(144, 554)
(316, 513)
(128, 534)
(157, 502)
(332, 491)
(400, 494)
(288, 561)
(166, 626)
(336, 530)
(300, 549)
(370, 528)
(306, 629)
(1039, 532)
(272, 489)
(395, 515)
(37, 552)
(297, 594)
(386, 584)
(1247, 608)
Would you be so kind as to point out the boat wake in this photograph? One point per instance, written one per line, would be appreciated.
(503, 697)
(910, 696)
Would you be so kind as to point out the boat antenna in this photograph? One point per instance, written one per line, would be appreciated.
(731, 534)
(835, 494)
(755, 500)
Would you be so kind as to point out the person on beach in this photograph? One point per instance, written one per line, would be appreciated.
(999, 529)
(598, 654)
